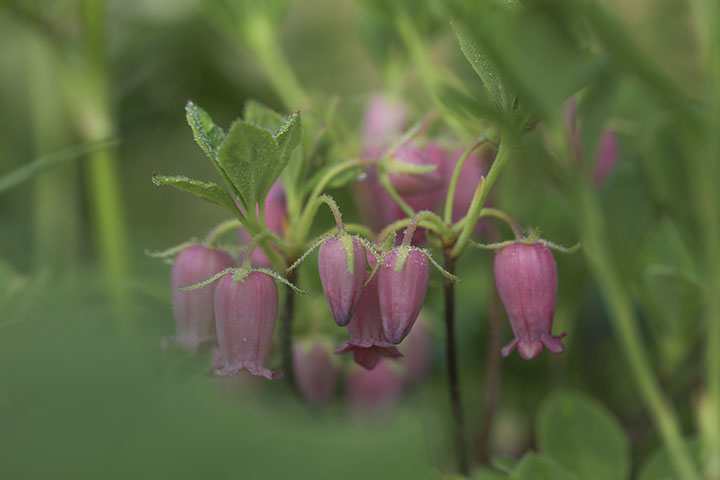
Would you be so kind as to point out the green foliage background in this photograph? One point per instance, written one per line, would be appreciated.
(86, 392)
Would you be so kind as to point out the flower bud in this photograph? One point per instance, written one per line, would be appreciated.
(245, 314)
(606, 156)
(341, 262)
(193, 310)
(367, 339)
(375, 205)
(315, 373)
(415, 183)
(374, 391)
(385, 120)
(526, 280)
(402, 286)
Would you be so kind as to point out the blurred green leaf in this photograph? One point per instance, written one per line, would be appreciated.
(251, 158)
(659, 466)
(540, 467)
(46, 162)
(486, 474)
(206, 190)
(583, 436)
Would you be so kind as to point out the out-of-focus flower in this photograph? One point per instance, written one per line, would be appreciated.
(315, 373)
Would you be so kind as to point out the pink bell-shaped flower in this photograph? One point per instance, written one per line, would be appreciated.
(526, 280)
(245, 315)
(193, 310)
(341, 263)
(367, 339)
(385, 119)
(402, 286)
(415, 183)
(315, 373)
(416, 349)
(374, 391)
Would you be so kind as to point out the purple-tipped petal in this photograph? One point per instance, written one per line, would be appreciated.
(341, 262)
(245, 315)
(526, 280)
(508, 349)
(193, 310)
(402, 293)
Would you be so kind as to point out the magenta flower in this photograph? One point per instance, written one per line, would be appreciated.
(193, 310)
(526, 280)
(402, 286)
(245, 314)
(367, 340)
(385, 120)
(374, 391)
(276, 219)
(415, 183)
(315, 373)
(341, 262)
(606, 156)
(416, 349)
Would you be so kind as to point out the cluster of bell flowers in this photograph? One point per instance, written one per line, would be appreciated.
(376, 295)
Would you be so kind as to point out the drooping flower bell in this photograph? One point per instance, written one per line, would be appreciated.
(194, 310)
(402, 286)
(341, 263)
(374, 391)
(367, 339)
(245, 315)
(408, 183)
(315, 373)
(526, 280)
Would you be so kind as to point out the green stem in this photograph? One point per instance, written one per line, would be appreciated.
(625, 325)
(262, 39)
(387, 185)
(481, 195)
(304, 224)
(453, 181)
(103, 174)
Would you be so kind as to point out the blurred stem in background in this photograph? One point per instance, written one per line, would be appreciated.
(93, 112)
(595, 247)
(56, 214)
(705, 174)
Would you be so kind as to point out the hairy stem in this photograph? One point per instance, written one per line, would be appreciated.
(452, 368)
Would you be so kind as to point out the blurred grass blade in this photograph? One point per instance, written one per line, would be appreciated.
(51, 160)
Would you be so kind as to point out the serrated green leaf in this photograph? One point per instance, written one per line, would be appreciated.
(480, 62)
(251, 158)
(288, 137)
(208, 135)
(206, 190)
(540, 467)
(256, 112)
(583, 436)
